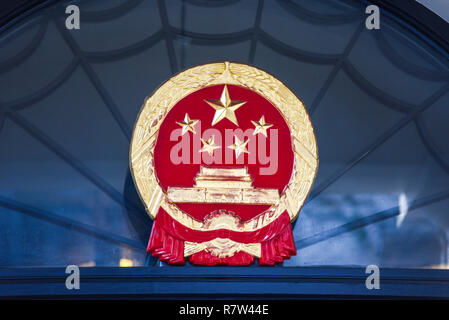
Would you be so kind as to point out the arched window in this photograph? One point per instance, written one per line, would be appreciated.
(378, 100)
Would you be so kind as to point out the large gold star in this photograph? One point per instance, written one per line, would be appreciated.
(209, 146)
(188, 124)
(239, 146)
(225, 107)
(261, 126)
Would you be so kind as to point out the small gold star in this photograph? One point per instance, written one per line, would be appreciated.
(209, 146)
(239, 146)
(261, 126)
(225, 107)
(188, 124)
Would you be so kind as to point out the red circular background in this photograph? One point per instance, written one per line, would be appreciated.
(182, 175)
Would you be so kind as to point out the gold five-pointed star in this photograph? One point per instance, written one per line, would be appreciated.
(239, 146)
(209, 146)
(188, 124)
(225, 107)
(261, 126)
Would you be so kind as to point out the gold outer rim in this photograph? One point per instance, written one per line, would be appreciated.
(155, 108)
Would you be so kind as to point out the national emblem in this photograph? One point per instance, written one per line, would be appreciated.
(223, 156)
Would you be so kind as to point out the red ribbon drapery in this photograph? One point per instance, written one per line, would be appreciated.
(168, 236)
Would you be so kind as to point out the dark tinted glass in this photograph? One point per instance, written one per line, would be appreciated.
(378, 100)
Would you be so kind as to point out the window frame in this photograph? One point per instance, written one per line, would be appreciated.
(239, 282)
(223, 282)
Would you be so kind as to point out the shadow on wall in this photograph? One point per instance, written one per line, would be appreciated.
(138, 219)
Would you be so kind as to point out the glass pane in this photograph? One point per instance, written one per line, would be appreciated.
(69, 99)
